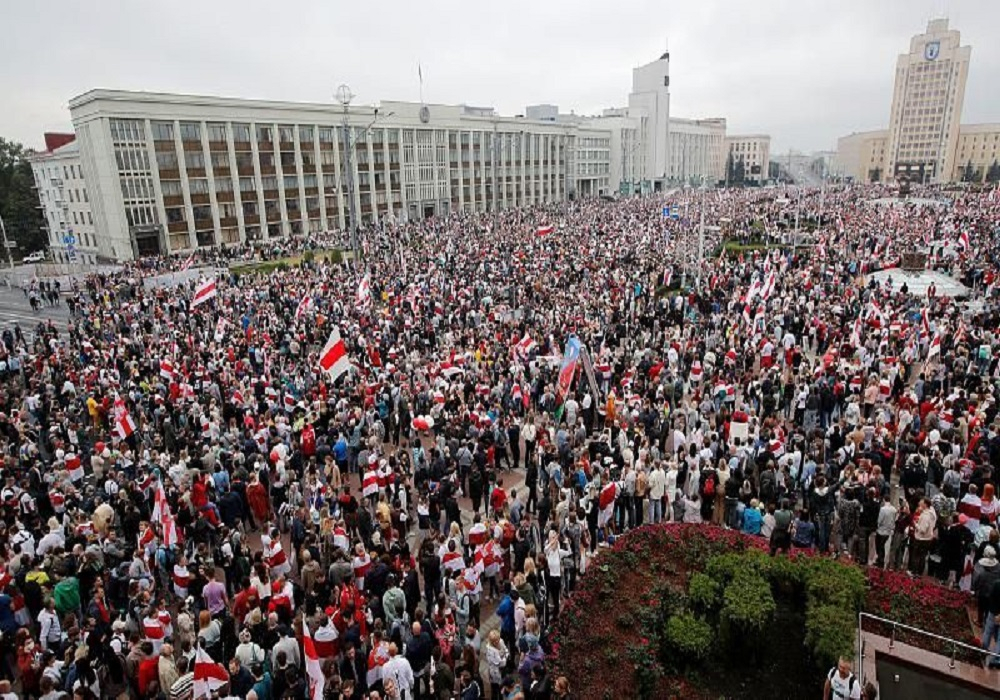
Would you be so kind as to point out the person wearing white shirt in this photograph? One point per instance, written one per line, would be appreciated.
(50, 632)
(397, 669)
(657, 484)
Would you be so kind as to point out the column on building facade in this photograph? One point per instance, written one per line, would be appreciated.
(235, 176)
(258, 184)
(154, 169)
(185, 187)
(213, 201)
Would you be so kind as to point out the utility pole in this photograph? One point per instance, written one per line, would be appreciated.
(701, 233)
(6, 245)
(344, 97)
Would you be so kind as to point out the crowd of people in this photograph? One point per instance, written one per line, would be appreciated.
(194, 504)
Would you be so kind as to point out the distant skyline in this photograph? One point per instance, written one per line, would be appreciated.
(803, 71)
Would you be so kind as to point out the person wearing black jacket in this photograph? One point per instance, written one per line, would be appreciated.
(867, 522)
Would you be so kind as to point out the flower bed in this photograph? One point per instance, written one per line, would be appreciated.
(689, 611)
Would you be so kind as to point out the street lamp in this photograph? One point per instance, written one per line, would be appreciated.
(344, 97)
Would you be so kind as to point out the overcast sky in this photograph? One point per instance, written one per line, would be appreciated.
(803, 71)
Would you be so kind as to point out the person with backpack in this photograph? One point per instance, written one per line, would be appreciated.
(840, 683)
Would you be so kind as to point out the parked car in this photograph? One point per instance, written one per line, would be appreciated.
(36, 257)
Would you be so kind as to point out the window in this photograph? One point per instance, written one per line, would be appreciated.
(194, 159)
(266, 159)
(244, 159)
(166, 160)
(223, 184)
(288, 159)
(292, 204)
(190, 131)
(220, 159)
(264, 133)
(325, 135)
(198, 186)
(269, 183)
(291, 182)
(250, 208)
(90, 219)
(163, 131)
(216, 132)
(175, 215)
(286, 134)
(241, 133)
(305, 134)
(247, 184)
(171, 188)
(202, 213)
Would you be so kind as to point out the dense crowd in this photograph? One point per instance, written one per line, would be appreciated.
(192, 505)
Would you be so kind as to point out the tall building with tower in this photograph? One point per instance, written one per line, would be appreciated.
(927, 104)
(649, 102)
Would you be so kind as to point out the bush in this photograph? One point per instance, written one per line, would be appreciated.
(308, 256)
(688, 635)
(703, 592)
(829, 582)
(830, 633)
(724, 568)
(747, 602)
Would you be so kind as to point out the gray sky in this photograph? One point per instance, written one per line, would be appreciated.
(804, 71)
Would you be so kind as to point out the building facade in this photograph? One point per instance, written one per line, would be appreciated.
(927, 105)
(750, 156)
(860, 157)
(168, 173)
(649, 104)
(65, 201)
(977, 155)
(697, 150)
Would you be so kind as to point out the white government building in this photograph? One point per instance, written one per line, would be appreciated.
(167, 173)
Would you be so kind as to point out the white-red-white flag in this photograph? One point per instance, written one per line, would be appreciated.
(314, 672)
(304, 306)
(166, 369)
(935, 348)
(365, 290)
(333, 360)
(203, 292)
(209, 675)
(187, 263)
(545, 230)
(526, 345)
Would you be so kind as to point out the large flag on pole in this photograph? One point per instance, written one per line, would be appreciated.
(205, 291)
(209, 676)
(567, 371)
(333, 360)
(313, 669)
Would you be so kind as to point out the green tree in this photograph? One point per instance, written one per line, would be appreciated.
(968, 173)
(993, 174)
(19, 204)
(729, 168)
(739, 172)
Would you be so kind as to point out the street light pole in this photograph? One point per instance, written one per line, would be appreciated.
(344, 97)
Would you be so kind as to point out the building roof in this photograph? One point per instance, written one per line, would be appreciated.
(54, 140)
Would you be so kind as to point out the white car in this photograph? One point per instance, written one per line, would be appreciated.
(36, 257)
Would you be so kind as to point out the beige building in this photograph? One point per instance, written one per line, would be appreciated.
(927, 105)
(860, 156)
(753, 151)
(696, 150)
(977, 152)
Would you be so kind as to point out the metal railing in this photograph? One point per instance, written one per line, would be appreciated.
(955, 644)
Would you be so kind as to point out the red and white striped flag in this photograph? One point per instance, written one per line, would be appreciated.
(545, 230)
(166, 369)
(365, 290)
(209, 676)
(238, 398)
(526, 345)
(187, 263)
(963, 240)
(124, 424)
(935, 348)
(203, 292)
(304, 307)
(333, 360)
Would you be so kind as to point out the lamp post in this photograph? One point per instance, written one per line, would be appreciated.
(344, 97)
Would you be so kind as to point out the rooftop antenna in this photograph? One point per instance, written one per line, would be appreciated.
(420, 75)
